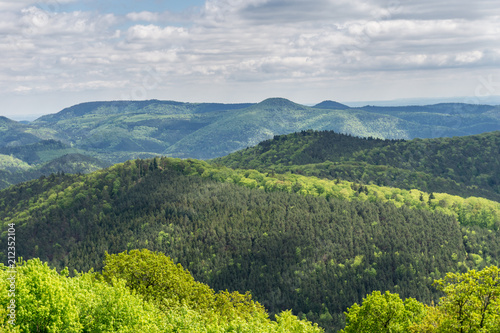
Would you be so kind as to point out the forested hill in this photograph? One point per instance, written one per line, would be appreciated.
(116, 131)
(463, 166)
(119, 130)
(301, 243)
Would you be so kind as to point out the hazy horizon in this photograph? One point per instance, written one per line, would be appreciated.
(59, 53)
(493, 100)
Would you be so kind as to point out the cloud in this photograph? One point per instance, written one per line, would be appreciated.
(256, 42)
(153, 32)
(143, 16)
(280, 11)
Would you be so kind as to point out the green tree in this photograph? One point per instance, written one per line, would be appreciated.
(472, 302)
(158, 279)
(383, 313)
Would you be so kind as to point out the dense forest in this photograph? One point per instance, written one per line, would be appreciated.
(105, 133)
(20, 163)
(312, 245)
(158, 296)
(143, 291)
(460, 165)
(470, 304)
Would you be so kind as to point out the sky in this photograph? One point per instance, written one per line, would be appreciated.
(57, 53)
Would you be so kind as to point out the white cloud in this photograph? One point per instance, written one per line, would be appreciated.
(145, 32)
(143, 16)
(254, 43)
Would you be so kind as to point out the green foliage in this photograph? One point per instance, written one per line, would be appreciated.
(121, 130)
(383, 313)
(471, 304)
(472, 301)
(39, 152)
(297, 242)
(48, 301)
(10, 163)
(294, 241)
(158, 279)
(70, 163)
(463, 166)
(13, 133)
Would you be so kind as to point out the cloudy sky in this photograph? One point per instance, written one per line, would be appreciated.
(56, 53)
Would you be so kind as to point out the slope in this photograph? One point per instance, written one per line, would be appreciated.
(246, 127)
(460, 165)
(470, 118)
(69, 163)
(159, 296)
(121, 130)
(13, 133)
(295, 242)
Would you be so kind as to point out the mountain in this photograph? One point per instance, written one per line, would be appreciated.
(296, 242)
(246, 127)
(326, 218)
(13, 133)
(30, 161)
(331, 105)
(470, 118)
(20, 171)
(121, 130)
(39, 152)
(463, 166)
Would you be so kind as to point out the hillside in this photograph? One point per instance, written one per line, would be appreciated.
(121, 130)
(470, 118)
(117, 131)
(69, 163)
(247, 127)
(13, 133)
(301, 243)
(460, 165)
(158, 297)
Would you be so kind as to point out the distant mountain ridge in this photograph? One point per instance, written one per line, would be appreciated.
(331, 105)
(117, 131)
(118, 107)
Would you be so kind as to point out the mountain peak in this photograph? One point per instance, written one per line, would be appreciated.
(279, 102)
(331, 105)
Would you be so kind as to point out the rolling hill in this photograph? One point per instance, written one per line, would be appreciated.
(309, 244)
(324, 220)
(463, 166)
(120, 130)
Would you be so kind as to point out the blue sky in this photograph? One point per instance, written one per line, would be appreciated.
(123, 7)
(56, 53)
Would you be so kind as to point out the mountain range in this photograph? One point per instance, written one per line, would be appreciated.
(116, 131)
(302, 216)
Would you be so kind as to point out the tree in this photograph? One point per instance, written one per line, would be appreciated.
(383, 313)
(472, 301)
(158, 279)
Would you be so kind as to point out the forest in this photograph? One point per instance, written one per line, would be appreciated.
(164, 297)
(462, 166)
(294, 242)
(144, 291)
